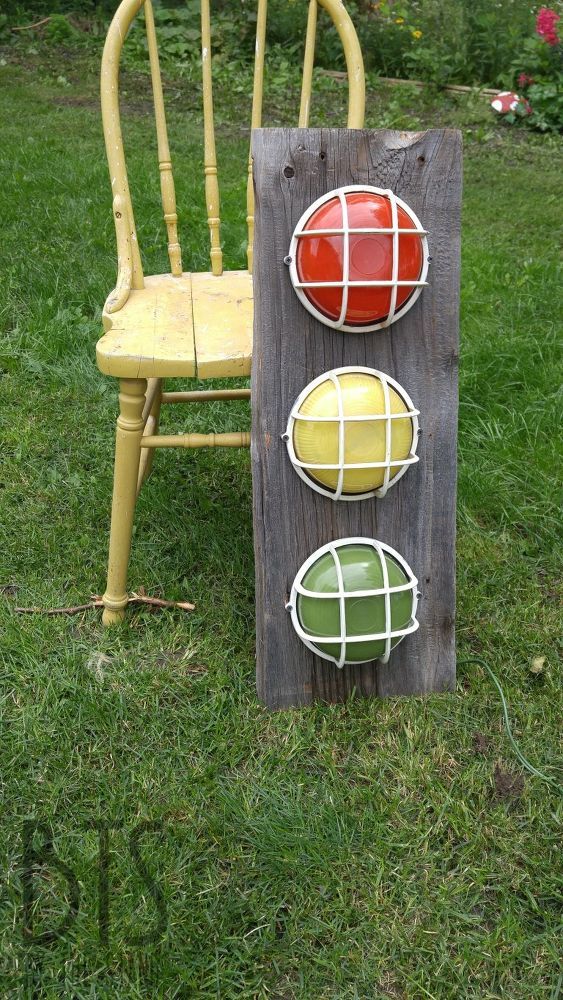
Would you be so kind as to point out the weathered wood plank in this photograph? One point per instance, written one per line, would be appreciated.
(292, 167)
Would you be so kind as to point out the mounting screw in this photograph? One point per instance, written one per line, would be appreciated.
(287, 260)
(289, 607)
(284, 437)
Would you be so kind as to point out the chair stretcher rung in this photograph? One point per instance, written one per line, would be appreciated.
(204, 395)
(143, 465)
(238, 439)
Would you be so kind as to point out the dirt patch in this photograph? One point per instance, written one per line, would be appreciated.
(481, 743)
(551, 588)
(181, 658)
(77, 102)
(507, 785)
(138, 107)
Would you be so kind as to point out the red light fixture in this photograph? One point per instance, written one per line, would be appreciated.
(358, 258)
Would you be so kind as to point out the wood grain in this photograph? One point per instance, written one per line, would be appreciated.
(293, 167)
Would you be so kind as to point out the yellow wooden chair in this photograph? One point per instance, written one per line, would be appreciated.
(181, 324)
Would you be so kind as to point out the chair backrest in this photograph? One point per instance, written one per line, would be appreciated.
(130, 270)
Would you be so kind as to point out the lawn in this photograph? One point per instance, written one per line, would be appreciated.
(368, 850)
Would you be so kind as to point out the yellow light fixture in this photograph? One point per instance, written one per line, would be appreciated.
(352, 433)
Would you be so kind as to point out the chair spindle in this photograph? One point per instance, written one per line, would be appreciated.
(209, 153)
(256, 118)
(164, 160)
(308, 61)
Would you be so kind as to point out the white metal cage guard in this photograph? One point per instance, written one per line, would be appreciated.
(300, 232)
(341, 419)
(382, 550)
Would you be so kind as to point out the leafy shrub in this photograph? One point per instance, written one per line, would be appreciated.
(437, 40)
(546, 102)
(440, 41)
(59, 31)
(20, 12)
(538, 75)
(179, 35)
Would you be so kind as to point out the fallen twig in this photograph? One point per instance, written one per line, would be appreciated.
(59, 611)
(96, 602)
(27, 27)
(159, 602)
(452, 88)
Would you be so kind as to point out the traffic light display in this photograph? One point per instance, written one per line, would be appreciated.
(354, 411)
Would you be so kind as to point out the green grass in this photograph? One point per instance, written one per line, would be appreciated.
(368, 850)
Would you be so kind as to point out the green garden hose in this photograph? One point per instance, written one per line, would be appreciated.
(518, 753)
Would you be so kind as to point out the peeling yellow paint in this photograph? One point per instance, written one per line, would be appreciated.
(181, 326)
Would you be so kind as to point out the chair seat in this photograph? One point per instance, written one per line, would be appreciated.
(195, 324)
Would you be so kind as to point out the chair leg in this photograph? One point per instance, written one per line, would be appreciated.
(155, 414)
(127, 455)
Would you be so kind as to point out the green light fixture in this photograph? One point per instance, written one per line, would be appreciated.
(353, 601)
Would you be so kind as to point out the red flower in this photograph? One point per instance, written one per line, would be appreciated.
(524, 80)
(546, 25)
